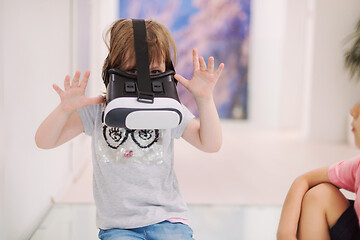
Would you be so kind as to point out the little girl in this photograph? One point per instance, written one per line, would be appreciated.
(135, 188)
(315, 208)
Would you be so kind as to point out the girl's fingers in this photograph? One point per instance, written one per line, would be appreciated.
(85, 80)
(202, 64)
(67, 82)
(57, 89)
(196, 64)
(95, 100)
(211, 65)
(219, 70)
(75, 81)
(182, 80)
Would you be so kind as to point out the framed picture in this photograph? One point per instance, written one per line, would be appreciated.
(216, 28)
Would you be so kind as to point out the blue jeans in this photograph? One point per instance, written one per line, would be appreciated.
(159, 231)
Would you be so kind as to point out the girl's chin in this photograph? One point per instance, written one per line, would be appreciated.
(357, 143)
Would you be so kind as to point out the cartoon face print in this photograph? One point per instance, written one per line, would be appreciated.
(124, 145)
(144, 138)
(114, 137)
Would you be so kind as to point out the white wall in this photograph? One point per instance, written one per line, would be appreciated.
(4, 132)
(297, 79)
(267, 33)
(35, 43)
(329, 93)
(293, 65)
(103, 14)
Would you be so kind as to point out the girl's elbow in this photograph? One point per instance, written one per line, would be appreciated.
(301, 181)
(218, 146)
(213, 149)
(216, 149)
(38, 141)
(42, 144)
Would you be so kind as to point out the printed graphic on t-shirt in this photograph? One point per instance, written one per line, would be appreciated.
(125, 145)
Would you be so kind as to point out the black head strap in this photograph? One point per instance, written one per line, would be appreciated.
(145, 93)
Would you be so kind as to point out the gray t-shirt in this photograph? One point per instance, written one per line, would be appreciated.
(134, 181)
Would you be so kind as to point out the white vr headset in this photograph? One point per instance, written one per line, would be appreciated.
(141, 101)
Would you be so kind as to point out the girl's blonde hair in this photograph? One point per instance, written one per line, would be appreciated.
(119, 39)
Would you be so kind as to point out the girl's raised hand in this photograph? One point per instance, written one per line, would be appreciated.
(204, 78)
(73, 96)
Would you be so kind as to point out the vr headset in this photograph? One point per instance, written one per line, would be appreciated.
(141, 101)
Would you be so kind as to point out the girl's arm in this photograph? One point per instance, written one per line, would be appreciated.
(64, 123)
(205, 135)
(292, 206)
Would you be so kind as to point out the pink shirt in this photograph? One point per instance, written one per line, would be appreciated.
(179, 220)
(346, 175)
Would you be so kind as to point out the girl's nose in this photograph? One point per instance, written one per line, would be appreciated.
(354, 111)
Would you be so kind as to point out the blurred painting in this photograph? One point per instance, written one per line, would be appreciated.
(218, 28)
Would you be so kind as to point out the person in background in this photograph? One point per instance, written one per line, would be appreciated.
(314, 207)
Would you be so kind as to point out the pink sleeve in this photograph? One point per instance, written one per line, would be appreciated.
(343, 174)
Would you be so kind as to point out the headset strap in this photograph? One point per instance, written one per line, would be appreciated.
(145, 93)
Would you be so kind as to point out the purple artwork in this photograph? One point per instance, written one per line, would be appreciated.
(218, 28)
